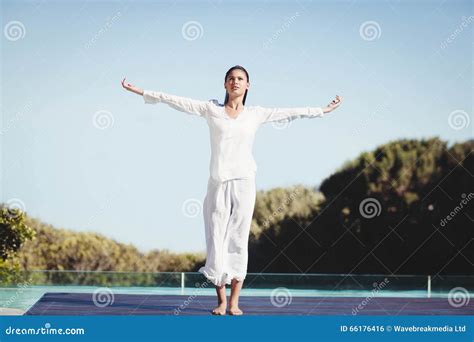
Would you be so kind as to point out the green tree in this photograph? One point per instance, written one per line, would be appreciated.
(13, 234)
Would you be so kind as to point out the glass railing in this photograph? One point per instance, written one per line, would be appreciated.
(327, 282)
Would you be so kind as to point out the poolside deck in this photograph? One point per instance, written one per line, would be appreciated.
(133, 304)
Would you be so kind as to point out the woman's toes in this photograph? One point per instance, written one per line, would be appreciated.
(220, 310)
(235, 311)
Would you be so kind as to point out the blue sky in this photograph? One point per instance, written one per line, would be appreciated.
(79, 152)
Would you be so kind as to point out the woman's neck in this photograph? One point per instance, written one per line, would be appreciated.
(235, 103)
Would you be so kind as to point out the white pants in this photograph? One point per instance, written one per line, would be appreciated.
(228, 209)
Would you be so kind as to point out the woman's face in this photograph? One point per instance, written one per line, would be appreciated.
(236, 83)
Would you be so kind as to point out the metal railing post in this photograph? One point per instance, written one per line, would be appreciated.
(429, 287)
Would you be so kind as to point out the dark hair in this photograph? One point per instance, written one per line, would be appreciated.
(235, 67)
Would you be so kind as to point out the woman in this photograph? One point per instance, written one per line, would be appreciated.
(231, 190)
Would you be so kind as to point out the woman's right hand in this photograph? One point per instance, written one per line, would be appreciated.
(131, 88)
(333, 105)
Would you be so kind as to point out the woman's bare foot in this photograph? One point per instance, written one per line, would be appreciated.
(220, 309)
(235, 311)
(221, 301)
(234, 297)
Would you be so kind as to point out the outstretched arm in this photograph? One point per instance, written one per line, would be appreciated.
(180, 103)
(277, 114)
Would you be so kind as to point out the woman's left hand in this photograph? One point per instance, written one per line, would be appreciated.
(333, 105)
(132, 88)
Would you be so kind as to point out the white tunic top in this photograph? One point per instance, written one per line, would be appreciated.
(231, 139)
